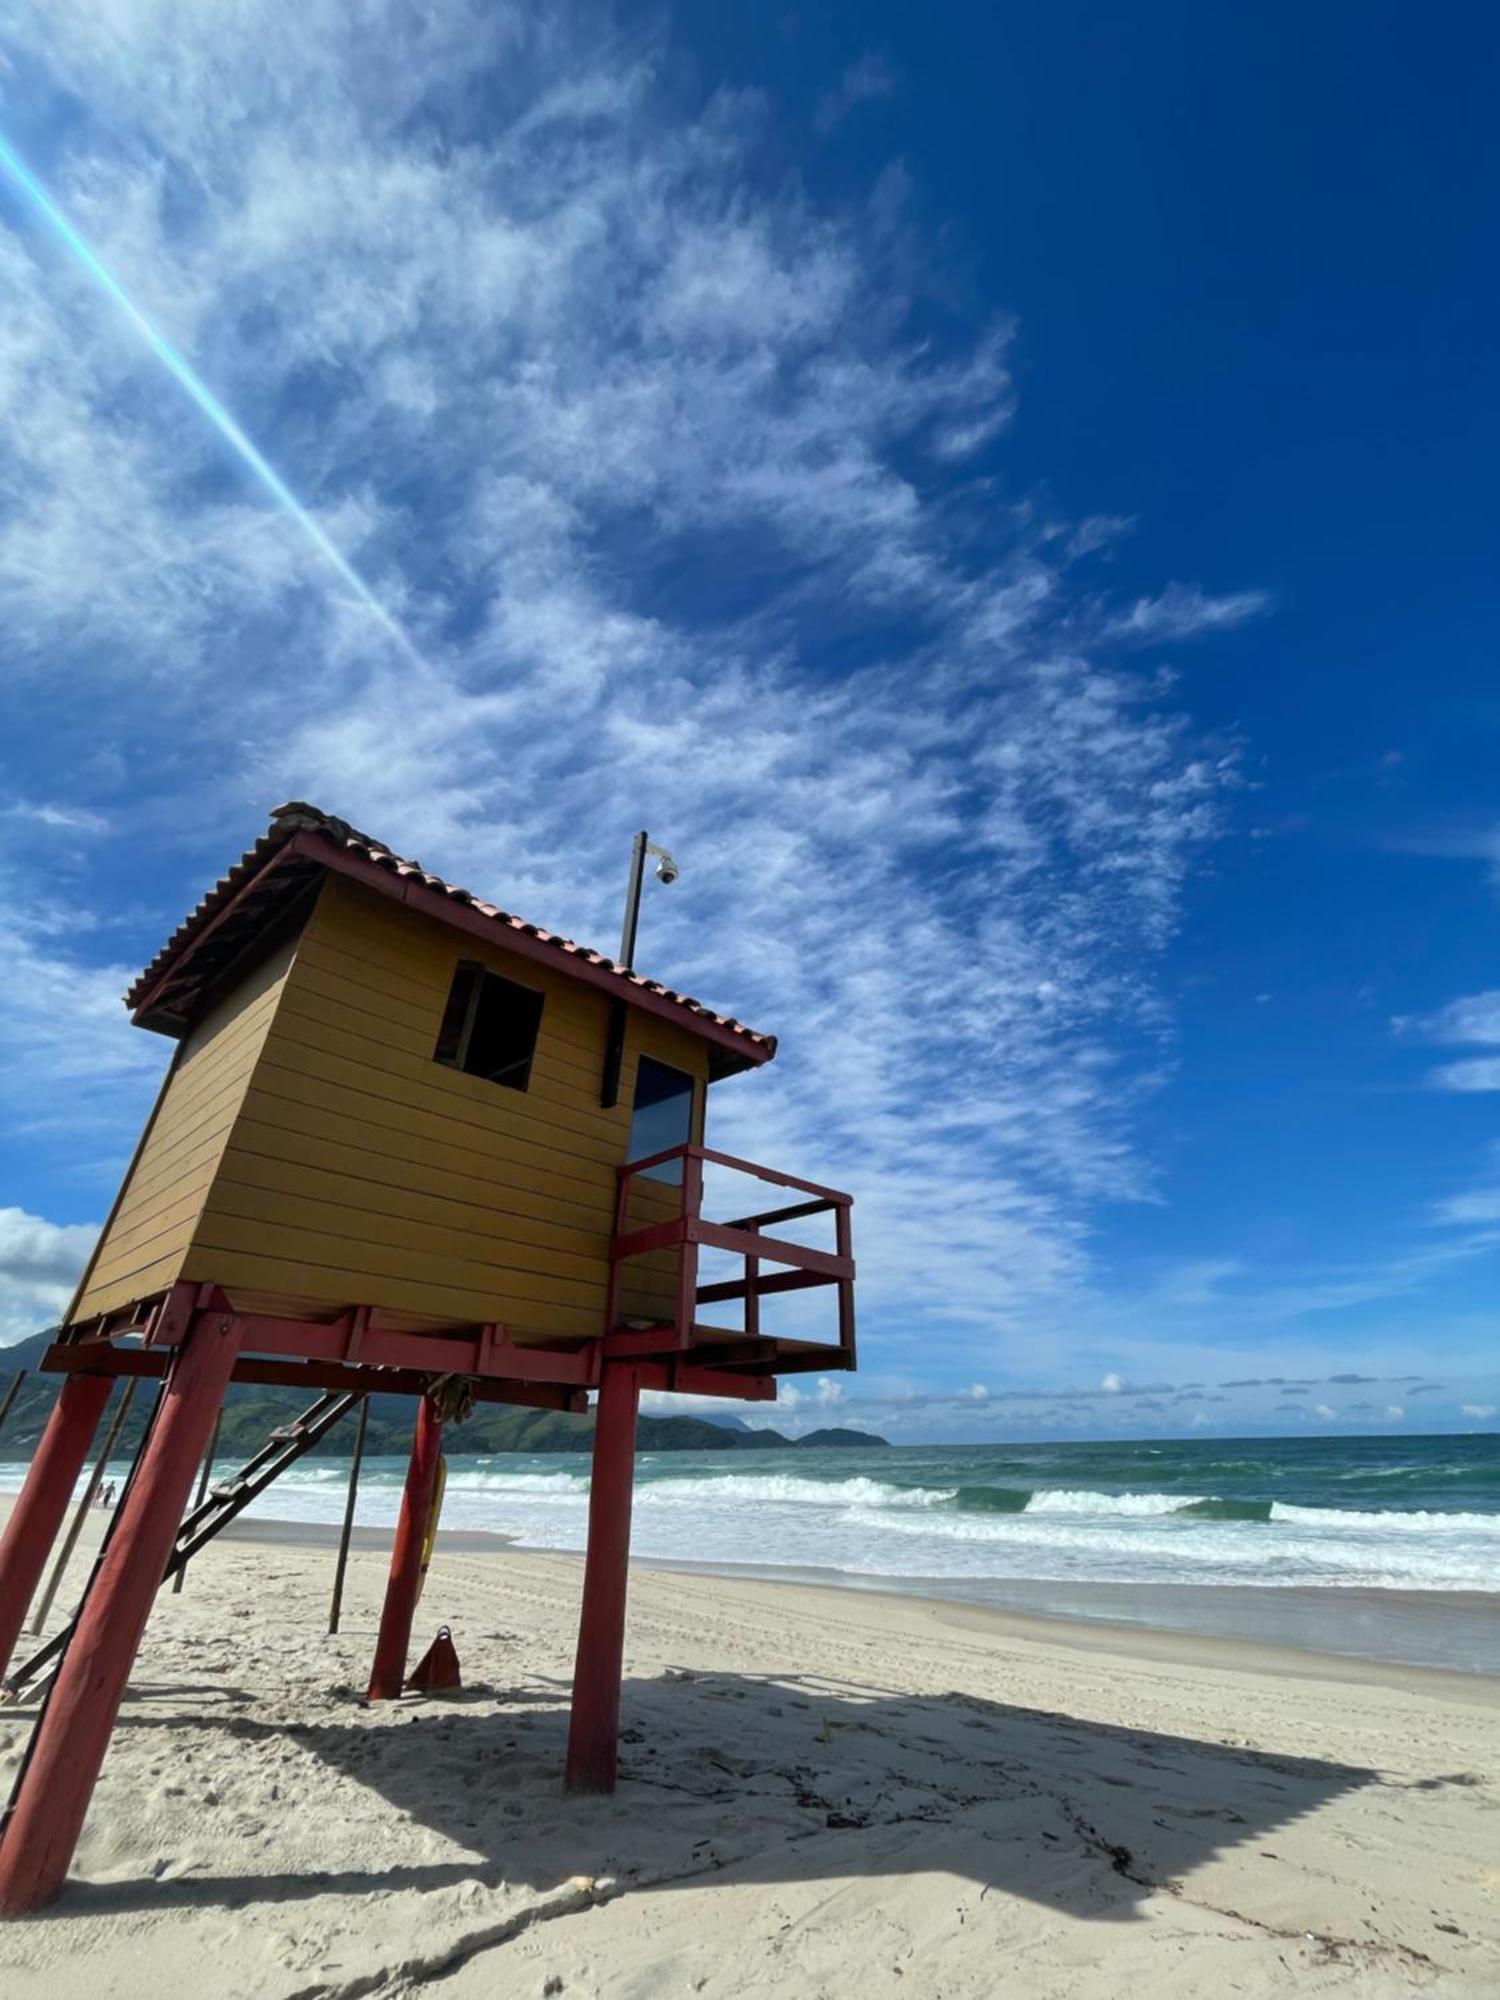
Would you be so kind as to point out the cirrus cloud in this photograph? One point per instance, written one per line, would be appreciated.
(683, 484)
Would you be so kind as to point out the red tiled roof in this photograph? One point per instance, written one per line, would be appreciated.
(252, 893)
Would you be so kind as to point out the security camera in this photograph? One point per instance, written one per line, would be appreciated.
(666, 869)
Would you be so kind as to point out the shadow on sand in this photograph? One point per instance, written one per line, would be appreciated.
(768, 1779)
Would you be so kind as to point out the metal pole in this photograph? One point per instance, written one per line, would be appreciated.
(203, 1478)
(11, 1394)
(342, 1564)
(633, 901)
(81, 1514)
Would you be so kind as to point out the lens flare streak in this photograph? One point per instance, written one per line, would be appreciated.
(201, 394)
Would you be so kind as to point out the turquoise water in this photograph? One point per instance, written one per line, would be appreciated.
(1415, 1514)
(1381, 1547)
(1371, 1513)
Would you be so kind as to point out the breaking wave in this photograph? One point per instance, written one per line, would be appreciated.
(990, 1514)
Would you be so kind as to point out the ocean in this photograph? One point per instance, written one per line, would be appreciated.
(1169, 1532)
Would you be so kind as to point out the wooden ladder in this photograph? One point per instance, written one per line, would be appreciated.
(223, 1502)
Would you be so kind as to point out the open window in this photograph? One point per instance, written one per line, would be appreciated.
(661, 1117)
(490, 1026)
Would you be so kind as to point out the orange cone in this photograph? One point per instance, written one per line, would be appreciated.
(437, 1671)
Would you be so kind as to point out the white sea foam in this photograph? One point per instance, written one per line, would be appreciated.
(1386, 1521)
(1080, 1501)
(787, 1489)
(873, 1527)
(478, 1479)
(1183, 1549)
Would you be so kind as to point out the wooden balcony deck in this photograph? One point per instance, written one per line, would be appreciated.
(751, 1348)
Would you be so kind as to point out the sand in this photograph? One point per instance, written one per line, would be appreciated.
(823, 1794)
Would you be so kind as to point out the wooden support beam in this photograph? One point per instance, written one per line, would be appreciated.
(405, 1581)
(203, 1478)
(85, 1502)
(753, 1362)
(594, 1729)
(772, 1249)
(687, 1256)
(690, 1229)
(797, 1210)
(348, 1527)
(688, 1380)
(359, 1379)
(844, 1244)
(754, 1286)
(58, 1777)
(43, 1499)
(631, 1343)
(11, 1394)
(651, 1236)
(684, 1373)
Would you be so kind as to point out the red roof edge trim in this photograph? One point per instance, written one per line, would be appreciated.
(527, 941)
(303, 834)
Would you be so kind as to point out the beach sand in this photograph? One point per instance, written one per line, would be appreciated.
(823, 1793)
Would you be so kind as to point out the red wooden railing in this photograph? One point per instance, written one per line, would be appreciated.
(689, 1231)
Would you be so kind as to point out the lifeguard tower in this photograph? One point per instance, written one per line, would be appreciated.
(407, 1142)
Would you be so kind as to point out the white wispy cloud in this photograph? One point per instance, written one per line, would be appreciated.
(55, 818)
(39, 1266)
(74, 1080)
(1476, 1073)
(1183, 611)
(1472, 842)
(826, 1393)
(1475, 1208)
(865, 81)
(665, 468)
(1473, 1019)
(1470, 1022)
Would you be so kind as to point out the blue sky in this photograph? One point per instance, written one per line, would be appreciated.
(1003, 493)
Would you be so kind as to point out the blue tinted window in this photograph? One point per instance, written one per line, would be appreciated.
(662, 1115)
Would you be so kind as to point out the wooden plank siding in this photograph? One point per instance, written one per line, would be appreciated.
(154, 1222)
(357, 1170)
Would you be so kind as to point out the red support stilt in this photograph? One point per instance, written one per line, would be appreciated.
(593, 1734)
(405, 1581)
(43, 1500)
(73, 1734)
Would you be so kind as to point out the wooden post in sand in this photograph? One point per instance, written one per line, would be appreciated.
(405, 1581)
(343, 1562)
(11, 1393)
(203, 1479)
(80, 1513)
(594, 1729)
(60, 1772)
(43, 1500)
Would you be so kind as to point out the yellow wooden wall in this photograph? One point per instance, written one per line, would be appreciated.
(358, 1170)
(152, 1228)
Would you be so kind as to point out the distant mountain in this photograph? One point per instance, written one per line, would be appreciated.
(840, 1436)
(251, 1413)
